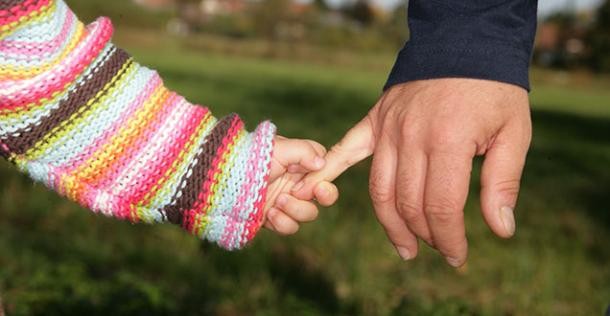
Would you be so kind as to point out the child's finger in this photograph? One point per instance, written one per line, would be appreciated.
(326, 193)
(319, 148)
(301, 211)
(299, 152)
(297, 169)
(269, 226)
(282, 223)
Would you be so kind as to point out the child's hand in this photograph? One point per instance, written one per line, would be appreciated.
(292, 160)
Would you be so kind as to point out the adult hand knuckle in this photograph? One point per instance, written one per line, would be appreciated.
(446, 139)
(408, 130)
(409, 210)
(509, 188)
(379, 192)
(443, 211)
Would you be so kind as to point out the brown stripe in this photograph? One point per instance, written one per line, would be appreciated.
(8, 4)
(77, 99)
(198, 177)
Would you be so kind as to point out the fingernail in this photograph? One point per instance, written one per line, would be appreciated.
(319, 162)
(298, 186)
(453, 262)
(281, 200)
(404, 253)
(507, 216)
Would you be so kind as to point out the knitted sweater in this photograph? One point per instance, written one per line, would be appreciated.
(81, 116)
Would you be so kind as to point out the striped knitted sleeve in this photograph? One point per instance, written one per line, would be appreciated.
(81, 116)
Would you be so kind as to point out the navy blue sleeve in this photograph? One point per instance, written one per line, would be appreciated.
(481, 39)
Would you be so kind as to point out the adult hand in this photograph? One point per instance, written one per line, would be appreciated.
(424, 135)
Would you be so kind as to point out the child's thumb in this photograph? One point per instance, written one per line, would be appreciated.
(357, 145)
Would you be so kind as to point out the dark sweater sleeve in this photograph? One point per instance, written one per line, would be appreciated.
(481, 39)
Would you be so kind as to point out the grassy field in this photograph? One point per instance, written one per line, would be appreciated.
(58, 259)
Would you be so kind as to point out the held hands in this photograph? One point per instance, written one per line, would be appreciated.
(424, 135)
(292, 160)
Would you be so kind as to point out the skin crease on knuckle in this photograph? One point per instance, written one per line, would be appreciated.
(379, 190)
(409, 211)
(509, 189)
(413, 214)
(445, 217)
(443, 211)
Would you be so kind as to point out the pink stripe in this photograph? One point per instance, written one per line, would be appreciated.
(150, 174)
(141, 184)
(254, 223)
(146, 93)
(131, 152)
(37, 49)
(4, 147)
(112, 171)
(46, 84)
(203, 197)
(245, 192)
(93, 39)
(23, 9)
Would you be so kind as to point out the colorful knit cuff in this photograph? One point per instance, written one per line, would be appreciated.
(81, 116)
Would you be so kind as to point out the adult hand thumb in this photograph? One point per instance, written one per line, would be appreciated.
(501, 177)
(357, 145)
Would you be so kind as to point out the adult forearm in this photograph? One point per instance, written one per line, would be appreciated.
(480, 39)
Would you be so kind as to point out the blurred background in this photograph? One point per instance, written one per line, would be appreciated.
(315, 68)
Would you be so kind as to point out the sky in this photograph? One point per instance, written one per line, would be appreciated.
(545, 7)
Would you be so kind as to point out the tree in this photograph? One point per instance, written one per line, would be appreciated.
(321, 5)
(187, 2)
(187, 12)
(268, 15)
(182, 5)
(396, 27)
(361, 11)
(599, 40)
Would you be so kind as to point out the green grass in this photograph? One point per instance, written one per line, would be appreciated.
(58, 259)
